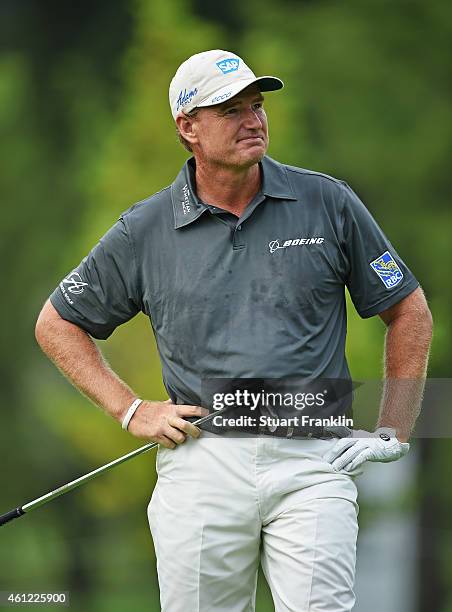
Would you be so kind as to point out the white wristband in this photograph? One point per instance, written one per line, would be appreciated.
(129, 414)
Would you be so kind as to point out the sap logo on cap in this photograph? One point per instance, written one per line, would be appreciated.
(388, 271)
(230, 64)
(185, 97)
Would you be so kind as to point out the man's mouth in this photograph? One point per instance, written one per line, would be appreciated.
(251, 139)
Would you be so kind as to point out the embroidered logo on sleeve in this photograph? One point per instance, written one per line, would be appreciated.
(389, 272)
(74, 284)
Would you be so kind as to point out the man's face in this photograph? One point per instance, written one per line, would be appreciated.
(234, 133)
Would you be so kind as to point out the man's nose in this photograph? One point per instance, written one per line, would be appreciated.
(251, 119)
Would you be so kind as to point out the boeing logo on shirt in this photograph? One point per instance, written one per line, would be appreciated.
(387, 269)
(274, 245)
(74, 283)
(230, 64)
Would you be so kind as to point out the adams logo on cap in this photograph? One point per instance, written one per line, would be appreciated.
(185, 97)
(230, 64)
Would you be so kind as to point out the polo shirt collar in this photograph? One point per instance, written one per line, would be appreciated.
(275, 183)
(187, 207)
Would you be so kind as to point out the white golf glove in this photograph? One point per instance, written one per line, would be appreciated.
(349, 453)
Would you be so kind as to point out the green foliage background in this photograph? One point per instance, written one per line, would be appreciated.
(86, 131)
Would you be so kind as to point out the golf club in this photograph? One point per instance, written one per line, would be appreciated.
(44, 499)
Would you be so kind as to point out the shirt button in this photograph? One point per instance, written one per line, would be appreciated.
(239, 227)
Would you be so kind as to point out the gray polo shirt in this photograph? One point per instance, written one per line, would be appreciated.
(262, 297)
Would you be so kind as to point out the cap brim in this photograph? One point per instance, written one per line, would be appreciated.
(269, 83)
(265, 83)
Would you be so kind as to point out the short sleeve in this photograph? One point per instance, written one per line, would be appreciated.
(101, 293)
(376, 276)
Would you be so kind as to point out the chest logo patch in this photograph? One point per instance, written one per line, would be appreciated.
(387, 269)
(274, 245)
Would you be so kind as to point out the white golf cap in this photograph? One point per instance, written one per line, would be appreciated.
(211, 77)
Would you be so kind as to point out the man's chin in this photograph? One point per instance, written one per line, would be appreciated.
(253, 155)
(246, 158)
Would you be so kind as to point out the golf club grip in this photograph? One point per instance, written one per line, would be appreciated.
(11, 515)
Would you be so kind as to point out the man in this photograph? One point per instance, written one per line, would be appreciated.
(241, 266)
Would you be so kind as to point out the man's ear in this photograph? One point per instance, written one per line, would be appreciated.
(186, 127)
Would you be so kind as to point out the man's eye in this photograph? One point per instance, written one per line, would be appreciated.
(258, 105)
(230, 111)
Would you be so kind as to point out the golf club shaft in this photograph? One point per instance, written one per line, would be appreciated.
(44, 499)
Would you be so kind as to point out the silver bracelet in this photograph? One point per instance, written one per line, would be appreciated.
(130, 412)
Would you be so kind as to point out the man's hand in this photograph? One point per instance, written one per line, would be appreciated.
(162, 422)
(349, 453)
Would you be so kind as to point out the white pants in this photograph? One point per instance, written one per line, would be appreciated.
(223, 504)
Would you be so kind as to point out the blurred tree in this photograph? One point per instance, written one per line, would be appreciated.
(51, 55)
